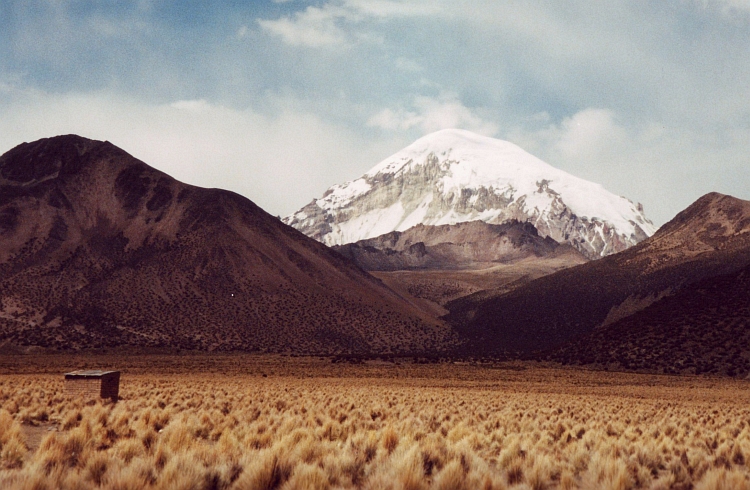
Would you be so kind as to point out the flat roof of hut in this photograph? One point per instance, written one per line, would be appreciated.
(93, 383)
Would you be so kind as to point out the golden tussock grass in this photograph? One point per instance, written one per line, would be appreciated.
(378, 427)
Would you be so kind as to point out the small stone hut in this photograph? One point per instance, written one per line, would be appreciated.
(93, 383)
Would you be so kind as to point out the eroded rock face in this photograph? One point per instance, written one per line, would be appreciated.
(456, 176)
(469, 245)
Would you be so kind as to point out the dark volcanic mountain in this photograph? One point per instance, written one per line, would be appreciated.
(711, 238)
(473, 244)
(703, 328)
(97, 249)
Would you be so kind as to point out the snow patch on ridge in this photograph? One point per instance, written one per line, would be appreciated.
(343, 193)
(417, 216)
(372, 223)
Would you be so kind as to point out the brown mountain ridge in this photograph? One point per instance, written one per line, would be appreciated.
(439, 264)
(710, 238)
(97, 249)
(467, 245)
(704, 328)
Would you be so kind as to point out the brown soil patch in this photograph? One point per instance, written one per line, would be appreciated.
(34, 434)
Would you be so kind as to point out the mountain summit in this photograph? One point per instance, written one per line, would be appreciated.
(453, 176)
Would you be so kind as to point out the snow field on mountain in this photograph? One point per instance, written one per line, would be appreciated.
(500, 180)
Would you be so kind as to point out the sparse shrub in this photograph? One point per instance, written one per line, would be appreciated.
(452, 477)
(127, 449)
(96, 467)
(13, 453)
(307, 476)
(390, 439)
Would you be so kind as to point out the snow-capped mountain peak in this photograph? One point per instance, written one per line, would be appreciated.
(453, 176)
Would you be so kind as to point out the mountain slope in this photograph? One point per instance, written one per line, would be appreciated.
(710, 238)
(454, 176)
(473, 244)
(97, 249)
(703, 328)
(439, 264)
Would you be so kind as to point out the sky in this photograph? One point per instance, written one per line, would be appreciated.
(278, 100)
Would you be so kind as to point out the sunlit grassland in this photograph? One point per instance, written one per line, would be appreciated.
(239, 422)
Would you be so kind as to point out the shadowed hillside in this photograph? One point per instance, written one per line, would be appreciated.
(703, 328)
(709, 239)
(97, 249)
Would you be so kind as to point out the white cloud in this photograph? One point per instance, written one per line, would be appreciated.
(389, 8)
(280, 162)
(430, 114)
(407, 65)
(592, 143)
(589, 134)
(331, 24)
(727, 6)
(314, 27)
(195, 106)
(665, 167)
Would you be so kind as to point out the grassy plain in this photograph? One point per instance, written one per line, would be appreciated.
(262, 422)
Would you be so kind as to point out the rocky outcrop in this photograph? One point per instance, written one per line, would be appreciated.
(470, 245)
